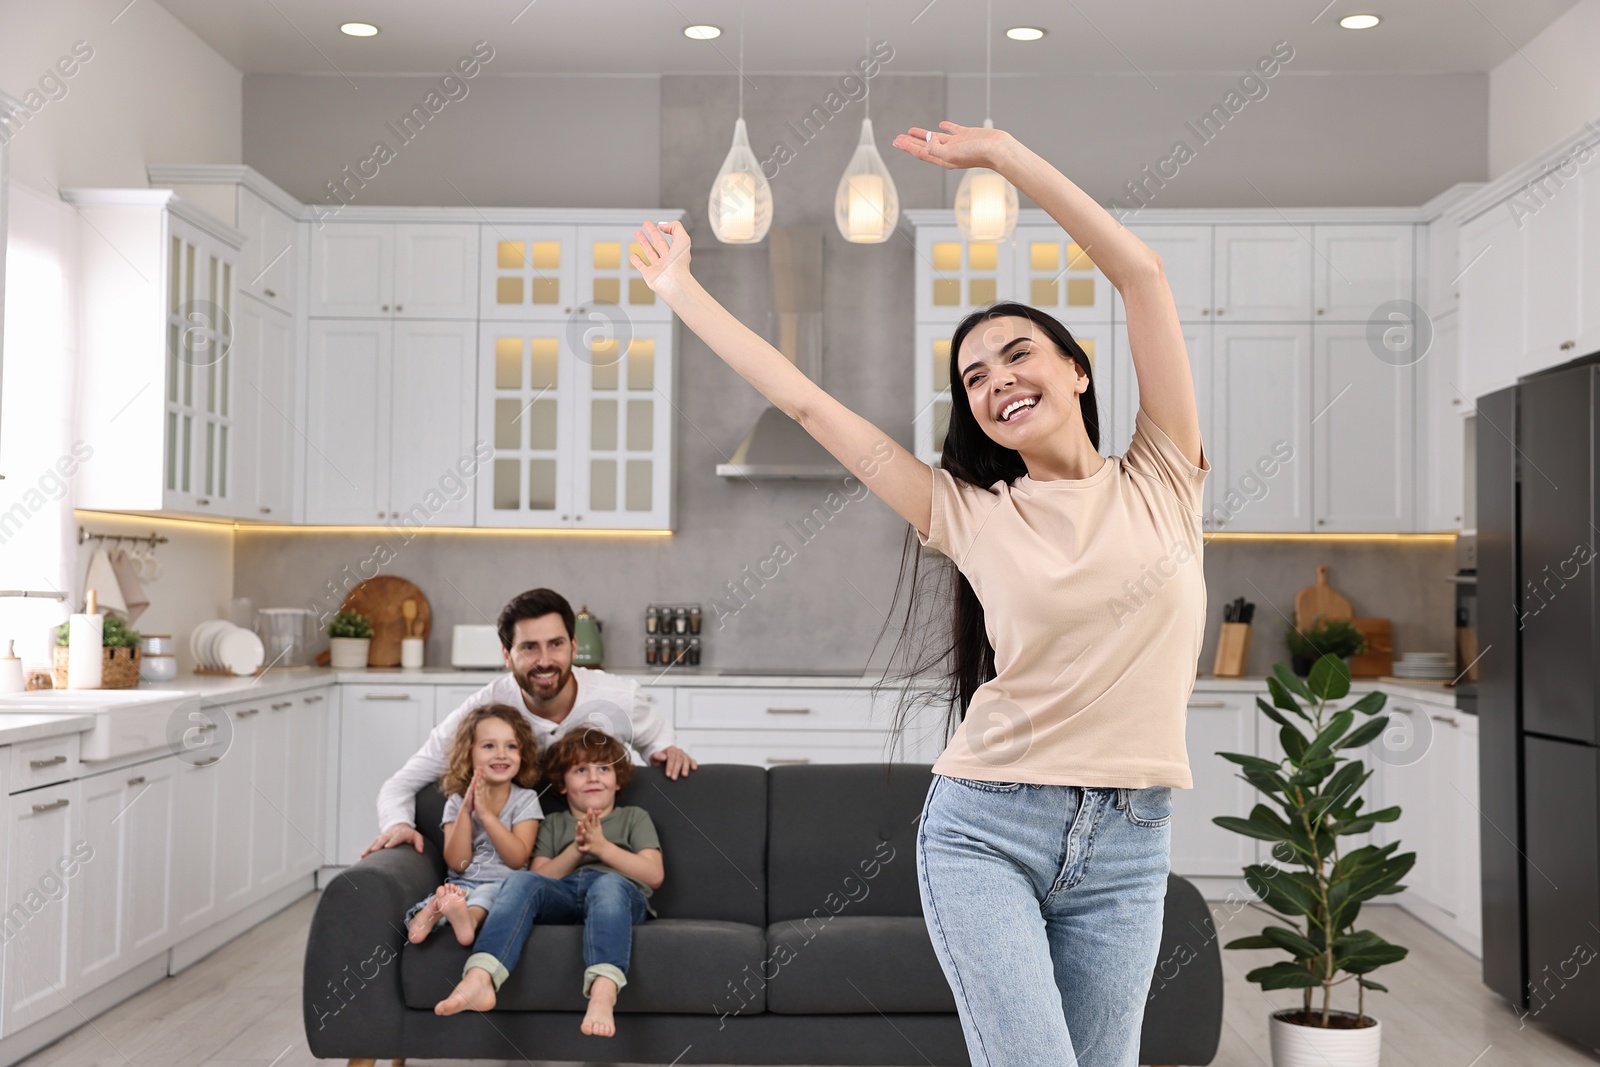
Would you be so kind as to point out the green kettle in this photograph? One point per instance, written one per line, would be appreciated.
(589, 649)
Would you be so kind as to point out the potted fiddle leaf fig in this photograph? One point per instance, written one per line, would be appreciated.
(349, 640)
(1315, 888)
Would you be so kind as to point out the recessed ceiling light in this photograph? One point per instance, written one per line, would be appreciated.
(359, 29)
(1024, 33)
(1359, 22)
(701, 33)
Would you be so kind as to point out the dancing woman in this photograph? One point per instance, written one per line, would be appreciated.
(1043, 851)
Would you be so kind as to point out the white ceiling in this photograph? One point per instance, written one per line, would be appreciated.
(826, 36)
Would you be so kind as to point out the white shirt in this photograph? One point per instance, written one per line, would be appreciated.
(606, 702)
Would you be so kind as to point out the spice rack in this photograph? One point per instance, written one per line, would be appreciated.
(671, 635)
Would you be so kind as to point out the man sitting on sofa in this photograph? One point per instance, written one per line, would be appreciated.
(536, 631)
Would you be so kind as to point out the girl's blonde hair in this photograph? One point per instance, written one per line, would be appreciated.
(458, 767)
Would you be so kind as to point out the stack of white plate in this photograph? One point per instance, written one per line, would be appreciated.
(219, 645)
(1425, 665)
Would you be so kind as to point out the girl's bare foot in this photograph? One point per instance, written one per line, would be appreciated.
(598, 1020)
(422, 922)
(454, 907)
(475, 992)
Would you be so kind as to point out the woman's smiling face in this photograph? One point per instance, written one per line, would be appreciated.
(1020, 386)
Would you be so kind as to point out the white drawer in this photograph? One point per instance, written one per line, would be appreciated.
(772, 748)
(399, 697)
(36, 763)
(785, 709)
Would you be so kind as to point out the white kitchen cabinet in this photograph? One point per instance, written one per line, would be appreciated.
(1440, 432)
(1553, 280)
(95, 917)
(1125, 395)
(194, 858)
(156, 396)
(1217, 722)
(233, 846)
(268, 262)
(528, 272)
(930, 376)
(1492, 310)
(369, 270)
(1262, 273)
(1588, 192)
(956, 277)
(447, 698)
(308, 781)
(263, 374)
(1361, 434)
(1051, 272)
(38, 947)
(1185, 252)
(149, 822)
(1261, 422)
(1359, 268)
(389, 420)
(380, 727)
(771, 726)
(270, 783)
(1439, 263)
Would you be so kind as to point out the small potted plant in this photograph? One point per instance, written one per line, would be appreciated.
(349, 640)
(1334, 637)
(119, 655)
(1314, 888)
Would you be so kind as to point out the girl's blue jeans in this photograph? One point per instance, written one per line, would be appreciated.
(608, 905)
(1045, 905)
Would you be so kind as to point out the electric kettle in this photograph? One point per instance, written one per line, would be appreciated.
(589, 649)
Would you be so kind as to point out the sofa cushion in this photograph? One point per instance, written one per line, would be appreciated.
(847, 964)
(678, 965)
(844, 831)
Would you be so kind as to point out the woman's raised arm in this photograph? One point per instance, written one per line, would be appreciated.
(901, 480)
(1155, 338)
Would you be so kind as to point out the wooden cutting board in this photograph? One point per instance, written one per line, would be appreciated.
(379, 599)
(1378, 659)
(1320, 599)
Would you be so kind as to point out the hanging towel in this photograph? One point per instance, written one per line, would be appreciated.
(133, 594)
(103, 580)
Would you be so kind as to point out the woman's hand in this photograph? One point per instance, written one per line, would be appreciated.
(663, 266)
(958, 147)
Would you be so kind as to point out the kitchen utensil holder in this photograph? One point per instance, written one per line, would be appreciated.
(1233, 650)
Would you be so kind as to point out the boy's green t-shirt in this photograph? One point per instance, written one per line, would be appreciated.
(628, 827)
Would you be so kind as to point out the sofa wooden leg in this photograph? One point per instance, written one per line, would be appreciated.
(363, 1063)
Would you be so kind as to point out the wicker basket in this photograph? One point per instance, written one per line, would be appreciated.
(119, 667)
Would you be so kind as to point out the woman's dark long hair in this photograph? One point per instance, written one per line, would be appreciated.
(964, 658)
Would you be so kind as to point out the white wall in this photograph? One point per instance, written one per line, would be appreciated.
(152, 92)
(1544, 93)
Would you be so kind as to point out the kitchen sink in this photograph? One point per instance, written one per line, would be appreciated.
(126, 721)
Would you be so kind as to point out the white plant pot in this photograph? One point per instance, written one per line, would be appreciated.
(1294, 1045)
(348, 653)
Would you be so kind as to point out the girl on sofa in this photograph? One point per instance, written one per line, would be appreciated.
(1074, 630)
(594, 864)
(490, 820)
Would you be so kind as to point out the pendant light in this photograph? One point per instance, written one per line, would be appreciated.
(740, 208)
(866, 205)
(986, 204)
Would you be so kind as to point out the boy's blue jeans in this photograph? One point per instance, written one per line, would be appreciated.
(608, 905)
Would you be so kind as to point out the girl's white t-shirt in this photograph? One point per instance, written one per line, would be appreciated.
(1094, 599)
(487, 866)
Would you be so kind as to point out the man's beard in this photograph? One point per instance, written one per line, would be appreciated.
(526, 683)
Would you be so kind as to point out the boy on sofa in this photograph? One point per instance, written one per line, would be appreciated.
(595, 864)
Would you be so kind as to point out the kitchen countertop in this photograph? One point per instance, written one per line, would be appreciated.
(15, 729)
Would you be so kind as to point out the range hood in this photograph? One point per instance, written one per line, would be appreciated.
(777, 446)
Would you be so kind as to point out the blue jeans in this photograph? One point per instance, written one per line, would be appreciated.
(608, 905)
(1045, 904)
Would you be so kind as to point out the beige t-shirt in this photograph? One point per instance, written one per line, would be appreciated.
(1094, 599)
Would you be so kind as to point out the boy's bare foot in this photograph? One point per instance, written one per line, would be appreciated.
(598, 1020)
(454, 908)
(475, 992)
(422, 922)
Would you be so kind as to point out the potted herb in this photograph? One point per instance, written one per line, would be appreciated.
(1317, 891)
(1336, 637)
(119, 656)
(349, 640)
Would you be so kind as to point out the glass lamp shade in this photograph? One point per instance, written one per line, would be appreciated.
(986, 206)
(741, 198)
(866, 205)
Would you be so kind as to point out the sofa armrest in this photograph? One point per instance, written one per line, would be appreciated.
(352, 999)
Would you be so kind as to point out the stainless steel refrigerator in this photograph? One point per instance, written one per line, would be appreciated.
(1538, 486)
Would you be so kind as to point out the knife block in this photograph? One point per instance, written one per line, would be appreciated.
(1233, 650)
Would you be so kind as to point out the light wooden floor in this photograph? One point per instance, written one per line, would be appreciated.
(241, 1007)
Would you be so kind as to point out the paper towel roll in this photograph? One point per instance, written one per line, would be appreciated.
(85, 637)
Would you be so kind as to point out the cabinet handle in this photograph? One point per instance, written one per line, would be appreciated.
(1208, 703)
(1205, 311)
(246, 713)
(270, 294)
(39, 764)
(202, 501)
(770, 759)
(1221, 310)
(1319, 311)
(207, 726)
(788, 711)
(136, 781)
(52, 806)
(280, 707)
(1445, 719)
(312, 700)
(399, 307)
(266, 511)
(386, 307)
(385, 696)
(380, 514)
(1567, 344)
(208, 762)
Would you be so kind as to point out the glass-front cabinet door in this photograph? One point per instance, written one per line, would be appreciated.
(526, 398)
(199, 417)
(528, 273)
(622, 479)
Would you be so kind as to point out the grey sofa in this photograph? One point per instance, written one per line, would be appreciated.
(790, 932)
